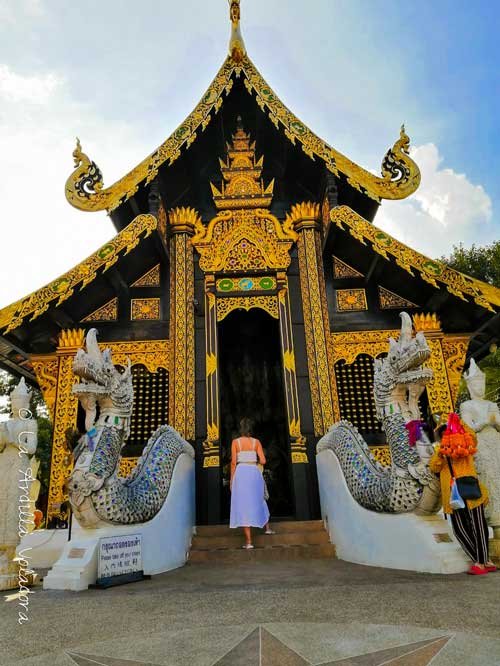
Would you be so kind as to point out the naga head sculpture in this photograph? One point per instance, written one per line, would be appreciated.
(101, 383)
(407, 356)
(400, 377)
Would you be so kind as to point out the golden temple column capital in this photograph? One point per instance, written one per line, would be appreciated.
(427, 323)
(305, 215)
(184, 220)
(70, 339)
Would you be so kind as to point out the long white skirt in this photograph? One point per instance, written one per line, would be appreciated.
(248, 506)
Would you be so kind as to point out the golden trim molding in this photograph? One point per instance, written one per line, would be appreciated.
(227, 305)
(430, 270)
(348, 346)
(399, 178)
(80, 276)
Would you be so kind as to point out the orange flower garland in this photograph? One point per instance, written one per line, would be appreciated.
(456, 442)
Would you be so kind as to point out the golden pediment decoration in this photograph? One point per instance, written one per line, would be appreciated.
(242, 186)
(244, 236)
(244, 240)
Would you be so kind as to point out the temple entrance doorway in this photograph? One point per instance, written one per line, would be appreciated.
(251, 384)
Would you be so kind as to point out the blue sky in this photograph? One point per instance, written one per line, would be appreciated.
(122, 75)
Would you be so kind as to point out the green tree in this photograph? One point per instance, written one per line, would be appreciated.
(479, 261)
(483, 263)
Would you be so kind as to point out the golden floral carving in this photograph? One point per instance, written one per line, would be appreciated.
(227, 305)
(348, 346)
(390, 301)
(430, 270)
(182, 326)
(46, 369)
(341, 270)
(149, 279)
(65, 413)
(211, 461)
(299, 457)
(144, 308)
(153, 354)
(438, 390)
(321, 375)
(84, 273)
(107, 312)
(454, 353)
(243, 240)
(351, 299)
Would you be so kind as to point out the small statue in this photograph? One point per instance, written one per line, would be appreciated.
(483, 417)
(18, 441)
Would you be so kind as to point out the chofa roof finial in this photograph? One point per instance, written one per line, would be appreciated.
(236, 44)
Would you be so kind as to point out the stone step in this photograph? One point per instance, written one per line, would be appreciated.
(272, 553)
(236, 539)
(279, 527)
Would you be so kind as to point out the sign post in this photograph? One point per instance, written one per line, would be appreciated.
(119, 560)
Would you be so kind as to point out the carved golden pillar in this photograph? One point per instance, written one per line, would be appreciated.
(305, 218)
(211, 452)
(438, 390)
(182, 224)
(454, 353)
(46, 367)
(297, 440)
(65, 413)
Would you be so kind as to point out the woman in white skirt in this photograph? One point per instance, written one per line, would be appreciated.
(248, 506)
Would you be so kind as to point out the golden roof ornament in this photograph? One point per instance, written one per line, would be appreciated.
(242, 185)
(236, 44)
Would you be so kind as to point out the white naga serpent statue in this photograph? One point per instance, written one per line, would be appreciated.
(96, 492)
(407, 485)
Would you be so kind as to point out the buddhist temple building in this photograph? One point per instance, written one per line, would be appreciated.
(247, 278)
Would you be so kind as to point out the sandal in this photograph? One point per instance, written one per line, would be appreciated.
(490, 568)
(477, 571)
(247, 546)
(269, 532)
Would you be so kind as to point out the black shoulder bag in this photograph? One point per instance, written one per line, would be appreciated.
(467, 486)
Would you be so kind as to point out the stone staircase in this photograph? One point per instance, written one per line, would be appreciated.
(294, 540)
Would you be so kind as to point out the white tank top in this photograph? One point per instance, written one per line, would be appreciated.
(247, 456)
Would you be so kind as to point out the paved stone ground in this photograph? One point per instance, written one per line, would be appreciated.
(321, 611)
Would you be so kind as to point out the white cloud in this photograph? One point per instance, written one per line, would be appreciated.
(446, 209)
(42, 235)
(30, 89)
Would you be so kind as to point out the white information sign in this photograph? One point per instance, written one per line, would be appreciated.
(119, 555)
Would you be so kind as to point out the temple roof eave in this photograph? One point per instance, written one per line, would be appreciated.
(434, 272)
(80, 276)
(400, 175)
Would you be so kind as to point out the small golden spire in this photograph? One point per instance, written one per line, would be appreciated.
(236, 44)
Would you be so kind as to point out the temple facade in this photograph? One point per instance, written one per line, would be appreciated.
(246, 278)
